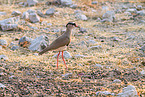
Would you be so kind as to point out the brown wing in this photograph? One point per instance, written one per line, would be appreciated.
(59, 42)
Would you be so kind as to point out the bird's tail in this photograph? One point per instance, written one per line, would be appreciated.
(43, 51)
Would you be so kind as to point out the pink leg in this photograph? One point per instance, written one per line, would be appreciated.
(64, 60)
(57, 59)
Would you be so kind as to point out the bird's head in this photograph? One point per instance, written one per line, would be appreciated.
(71, 25)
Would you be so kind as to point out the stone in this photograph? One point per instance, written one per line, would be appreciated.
(104, 93)
(36, 54)
(139, 7)
(95, 47)
(50, 11)
(81, 16)
(79, 56)
(109, 16)
(31, 11)
(142, 12)
(34, 28)
(39, 43)
(142, 72)
(94, 2)
(3, 57)
(0, 47)
(6, 27)
(91, 42)
(14, 47)
(98, 65)
(66, 54)
(32, 2)
(3, 42)
(128, 91)
(115, 39)
(82, 30)
(25, 41)
(2, 13)
(117, 81)
(2, 86)
(33, 17)
(25, 15)
(73, 6)
(44, 23)
(66, 2)
(132, 10)
(143, 48)
(67, 75)
(16, 13)
(12, 20)
(130, 37)
(40, 13)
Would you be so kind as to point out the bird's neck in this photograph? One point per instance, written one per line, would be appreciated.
(68, 32)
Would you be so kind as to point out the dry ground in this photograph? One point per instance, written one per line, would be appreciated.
(26, 74)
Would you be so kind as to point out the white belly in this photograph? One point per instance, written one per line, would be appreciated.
(61, 48)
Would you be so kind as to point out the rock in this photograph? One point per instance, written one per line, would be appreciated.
(133, 10)
(109, 16)
(128, 91)
(139, 7)
(83, 30)
(142, 12)
(104, 93)
(98, 65)
(3, 57)
(115, 39)
(47, 29)
(127, 14)
(12, 20)
(50, 11)
(66, 2)
(49, 24)
(33, 17)
(3, 13)
(79, 56)
(94, 2)
(95, 47)
(117, 81)
(67, 75)
(40, 13)
(2, 86)
(105, 8)
(14, 47)
(25, 41)
(81, 16)
(31, 11)
(55, 30)
(6, 27)
(3, 42)
(73, 6)
(0, 47)
(25, 15)
(39, 43)
(130, 37)
(34, 28)
(66, 54)
(91, 42)
(142, 72)
(143, 48)
(36, 54)
(32, 2)
(44, 23)
(16, 13)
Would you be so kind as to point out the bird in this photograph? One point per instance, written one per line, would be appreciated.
(60, 44)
